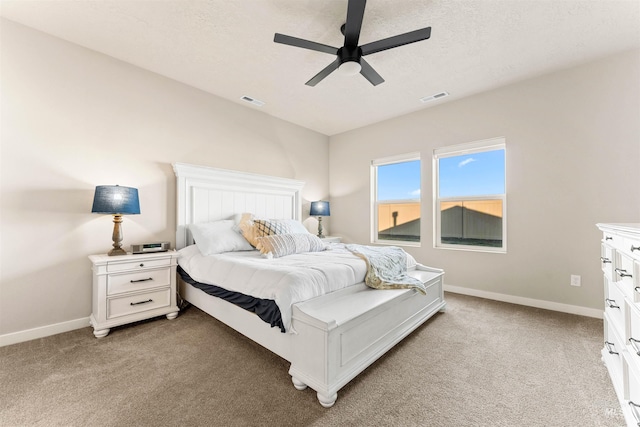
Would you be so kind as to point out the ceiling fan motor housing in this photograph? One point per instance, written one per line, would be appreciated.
(348, 53)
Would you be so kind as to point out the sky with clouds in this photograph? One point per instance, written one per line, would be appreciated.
(477, 174)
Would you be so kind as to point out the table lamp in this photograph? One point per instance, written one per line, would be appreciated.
(320, 209)
(117, 201)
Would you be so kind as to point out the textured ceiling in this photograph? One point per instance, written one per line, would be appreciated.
(226, 47)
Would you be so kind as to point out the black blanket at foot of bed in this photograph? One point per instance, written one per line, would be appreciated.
(266, 309)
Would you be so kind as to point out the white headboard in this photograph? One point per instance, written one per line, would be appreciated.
(210, 194)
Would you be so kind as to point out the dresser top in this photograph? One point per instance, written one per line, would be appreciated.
(627, 228)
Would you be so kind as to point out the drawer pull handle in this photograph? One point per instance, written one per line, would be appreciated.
(634, 410)
(611, 303)
(635, 248)
(147, 301)
(608, 238)
(141, 280)
(609, 345)
(605, 260)
(634, 343)
(623, 273)
(141, 265)
(637, 289)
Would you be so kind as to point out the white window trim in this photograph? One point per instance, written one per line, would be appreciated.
(373, 227)
(458, 150)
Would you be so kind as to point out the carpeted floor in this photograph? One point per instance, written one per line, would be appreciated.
(481, 363)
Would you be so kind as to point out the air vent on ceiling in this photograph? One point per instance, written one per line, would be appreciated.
(434, 97)
(253, 101)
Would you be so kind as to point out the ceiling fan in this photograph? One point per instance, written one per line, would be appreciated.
(350, 56)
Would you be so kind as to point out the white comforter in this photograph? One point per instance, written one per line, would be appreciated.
(285, 280)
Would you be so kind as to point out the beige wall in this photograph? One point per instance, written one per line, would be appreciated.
(73, 119)
(573, 157)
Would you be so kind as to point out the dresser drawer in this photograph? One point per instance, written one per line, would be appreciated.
(606, 259)
(146, 279)
(633, 341)
(623, 272)
(132, 304)
(632, 248)
(632, 397)
(614, 240)
(614, 305)
(143, 263)
(612, 355)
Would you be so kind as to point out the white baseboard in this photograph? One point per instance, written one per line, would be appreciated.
(530, 302)
(43, 331)
(58, 328)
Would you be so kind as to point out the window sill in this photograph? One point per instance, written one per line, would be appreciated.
(472, 249)
(397, 243)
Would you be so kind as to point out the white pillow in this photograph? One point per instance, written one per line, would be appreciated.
(217, 237)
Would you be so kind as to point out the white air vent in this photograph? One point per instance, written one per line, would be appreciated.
(434, 97)
(253, 101)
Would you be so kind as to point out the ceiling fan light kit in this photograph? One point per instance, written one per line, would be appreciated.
(350, 68)
(349, 58)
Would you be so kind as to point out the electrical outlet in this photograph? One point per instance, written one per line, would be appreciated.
(575, 280)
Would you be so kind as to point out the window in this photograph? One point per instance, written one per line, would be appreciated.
(395, 195)
(470, 197)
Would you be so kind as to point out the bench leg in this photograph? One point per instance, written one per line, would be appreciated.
(299, 385)
(327, 401)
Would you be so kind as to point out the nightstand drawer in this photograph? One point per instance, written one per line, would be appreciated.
(143, 263)
(117, 307)
(146, 279)
(331, 239)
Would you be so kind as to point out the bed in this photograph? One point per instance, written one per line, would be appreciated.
(331, 338)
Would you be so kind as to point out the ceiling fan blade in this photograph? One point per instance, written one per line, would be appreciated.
(305, 44)
(324, 73)
(369, 73)
(355, 14)
(395, 41)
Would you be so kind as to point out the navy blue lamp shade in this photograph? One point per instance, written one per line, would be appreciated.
(320, 209)
(117, 201)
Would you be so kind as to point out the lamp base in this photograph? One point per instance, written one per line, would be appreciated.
(320, 234)
(117, 237)
(117, 251)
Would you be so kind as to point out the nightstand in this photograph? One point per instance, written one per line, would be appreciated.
(130, 288)
(332, 239)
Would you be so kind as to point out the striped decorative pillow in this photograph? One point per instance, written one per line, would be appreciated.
(279, 245)
(270, 227)
(252, 228)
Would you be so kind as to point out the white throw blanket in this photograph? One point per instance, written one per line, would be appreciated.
(386, 268)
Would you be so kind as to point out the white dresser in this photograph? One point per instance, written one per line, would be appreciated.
(130, 288)
(620, 260)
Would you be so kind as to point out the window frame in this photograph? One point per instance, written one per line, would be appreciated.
(482, 146)
(400, 158)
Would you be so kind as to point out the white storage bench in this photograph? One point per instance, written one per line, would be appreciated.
(340, 334)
